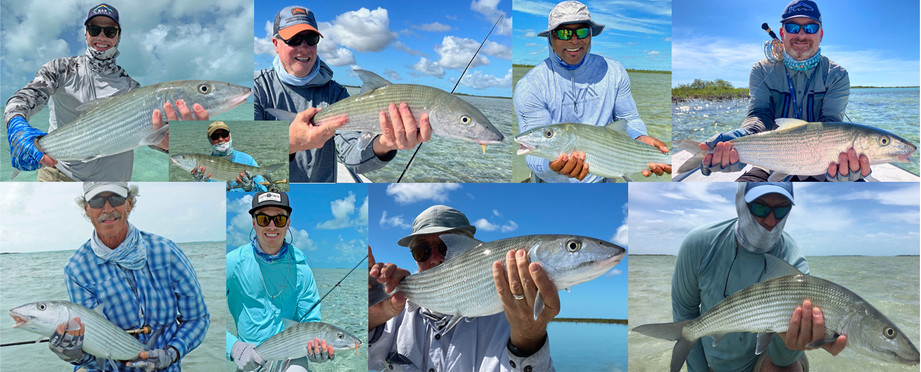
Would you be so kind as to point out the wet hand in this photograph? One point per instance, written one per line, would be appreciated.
(302, 135)
(571, 165)
(850, 167)
(319, 352)
(155, 359)
(399, 130)
(807, 325)
(723, 159)
(518, 287)
(389, 275)
(653, 142)
(67, 341)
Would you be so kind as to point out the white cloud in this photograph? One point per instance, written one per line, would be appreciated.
(362, 30)
(433, 27)
(430, 68)
(456, 52)
(363, 213)
(509, 227)
(398, 45)
(483, 225)
(406, 193)
(495, 212)
(342, 210)
(395, 221)
(620, 238)
(264, 45)
(480, 80)
(392, 75)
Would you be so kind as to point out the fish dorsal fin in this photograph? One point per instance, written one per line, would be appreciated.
(87, 106)
(156, 136)
(99, 309)
(788, 122)
(288, 323)
(458, 244)
(281, 115)
(617, 126)
(774, 267)
(370, 81)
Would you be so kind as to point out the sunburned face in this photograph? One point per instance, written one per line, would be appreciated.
(111, 223)
(297, 60)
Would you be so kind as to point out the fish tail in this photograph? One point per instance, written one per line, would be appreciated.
(680, 354)
(691, 147)
(671, 331)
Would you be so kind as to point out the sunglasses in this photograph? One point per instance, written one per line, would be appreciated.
(219, 134)
(793, 28)
(263, 220)
(94, 30)
(422, 251)
(296, 40)
(566, 34)
(100, 201)
(761, 211)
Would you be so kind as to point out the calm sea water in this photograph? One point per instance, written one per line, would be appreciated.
(149, 165)
(30, 277)
(892, 109)
(588, 346)
(652, 94)
(265, 141)
(891, 284)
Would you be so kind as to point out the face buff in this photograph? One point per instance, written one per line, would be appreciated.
(560, 60)
(224, 148)
(104, 61)
(291, 79)
(749, 233)
(802, 65)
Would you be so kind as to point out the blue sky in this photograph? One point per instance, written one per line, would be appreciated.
(406, 42)
(507, 210)
(328, 222)
(876, 41)
(636, 33)
(872, 218)
(162, 40)
(42, 216)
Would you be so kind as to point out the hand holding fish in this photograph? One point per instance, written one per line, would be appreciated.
(807, 326)
(518, 291)
(399, 130)
(571, 165)
(184, 112)
(302, 135)
(67, 340)
(155, 359)
(849, 167)
(657, 168)
(319, 352)
(389, 275)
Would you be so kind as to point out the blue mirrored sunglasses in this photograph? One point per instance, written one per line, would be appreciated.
(793, 28)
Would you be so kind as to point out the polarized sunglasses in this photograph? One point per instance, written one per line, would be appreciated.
(311, 38)
(219, 134)
(793, 28)
(566, 34)
(114, 200)
(761, 211)
(94, 30)
(263, 220)
(422, 251)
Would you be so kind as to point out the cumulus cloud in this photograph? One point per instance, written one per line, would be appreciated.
(395, 221)
(414, 192)
(433, 27)
(483, 225)
(455, 52)
(430, 68)
(480, 80)
(346, 213)
(263, 45)
(362, 30)
(620, 237)
(510, 226)
(398, 45)
(392, 75)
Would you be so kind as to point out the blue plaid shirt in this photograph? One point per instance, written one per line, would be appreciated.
(165, 292)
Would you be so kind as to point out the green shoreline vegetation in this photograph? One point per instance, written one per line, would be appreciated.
(716, 90)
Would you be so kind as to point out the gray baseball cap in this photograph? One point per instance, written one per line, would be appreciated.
(294, 19)
(569, 12)
(91, 189)
(436, 219)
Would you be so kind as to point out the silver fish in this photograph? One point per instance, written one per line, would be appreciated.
(292, 342)
(102, 338)
(449, 115)
(463, 285)
(765, 308)
(609, 151)
(219, 168)
(802, 148)
(122, 123)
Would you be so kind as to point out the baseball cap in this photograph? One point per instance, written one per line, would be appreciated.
(436, 219)
(801, 9)
(270, 199)
(104, 10)
(294, 19)
(217, 125)
(569, 12)
(754, 190)
(91, 189)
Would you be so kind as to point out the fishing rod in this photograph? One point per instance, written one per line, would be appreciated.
(331, 289)
(410, 162)
(143, 330)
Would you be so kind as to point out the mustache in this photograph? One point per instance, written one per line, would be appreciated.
(114, 215)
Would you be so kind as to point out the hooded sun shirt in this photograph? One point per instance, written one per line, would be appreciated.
(749, 233)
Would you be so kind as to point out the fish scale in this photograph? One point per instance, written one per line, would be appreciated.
(292, 342)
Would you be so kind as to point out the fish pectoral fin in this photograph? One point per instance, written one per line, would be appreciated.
(538, 304)
(626, 178)
(619, 125)
(716, 339)
(155, 137)
(822, 342)
(764, 340)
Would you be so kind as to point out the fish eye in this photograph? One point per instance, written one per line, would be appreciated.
(41, 306)
(884, 140)
(573, 245)
(889, 332)
(204, 89)
(548, 133)
(465, 119)
(340, 335)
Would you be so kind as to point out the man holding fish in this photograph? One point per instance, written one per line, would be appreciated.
(806, 85)
(218, 135)
(575, 86)
(299, 81)
(69, 83)
(135, 279)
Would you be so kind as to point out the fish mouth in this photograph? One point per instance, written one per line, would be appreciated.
(904, 157)
(524, 149)
(19, 320)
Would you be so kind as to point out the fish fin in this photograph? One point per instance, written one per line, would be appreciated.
(370, 81)
(15, 173)
(270, 168)
(157, 136)
(538, 304)
(691, 164)
(626, 178)
(365, 139)
(376, 293)
(152, 341)
(764, 340)
(680, 354)
(717, 338)
(665, 331)
(281, 115)
(617, 126)
(288, 323)
(688, 145)
(458, 244)
(778, 177)
(775, 267)
(829, 339)
(99, 309)
(87, 106)
(788, 122)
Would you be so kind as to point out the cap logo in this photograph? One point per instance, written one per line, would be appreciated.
(269, 196)
(801, 7)
(102, 8)
(298, 11)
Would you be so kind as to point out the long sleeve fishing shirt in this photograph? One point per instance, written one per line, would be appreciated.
(711, 267)
(241, 157)
(315, 165)
(164, 293)
(597, 93)
(411, 342)
(64, 84)
(260, 293)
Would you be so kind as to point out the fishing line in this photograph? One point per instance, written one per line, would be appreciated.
(333, 288)
(410, 162)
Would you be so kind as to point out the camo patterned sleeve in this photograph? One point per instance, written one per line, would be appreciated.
(33, 97)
